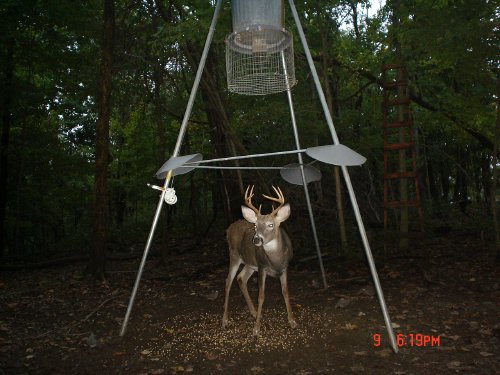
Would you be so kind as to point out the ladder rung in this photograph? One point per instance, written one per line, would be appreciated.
(398, 146)
(394, 85)
(399, 124)
(391, 176)
(397, 101)
(395, 204)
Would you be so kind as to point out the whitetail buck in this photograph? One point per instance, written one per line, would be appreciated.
(261, 245)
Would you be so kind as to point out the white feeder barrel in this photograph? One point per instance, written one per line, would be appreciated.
(259, 51)
(247, 14)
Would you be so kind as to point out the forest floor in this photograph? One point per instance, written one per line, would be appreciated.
(443, 298)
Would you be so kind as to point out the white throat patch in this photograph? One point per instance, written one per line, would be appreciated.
(271, 245)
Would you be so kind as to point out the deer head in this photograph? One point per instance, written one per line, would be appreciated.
(266, 226)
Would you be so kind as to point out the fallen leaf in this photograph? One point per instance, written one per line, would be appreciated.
(257, 369)
(393, 274)
(212, 296)
(486, 331)
(146, 352)
(486, 354)
(343, 302)
(358, 368)
(384, 353)
(169, 330)
(367, 290)
(350, 326)
(210, 356)
(91, 341)
(158, 371)
(203, 283)
(453, 365)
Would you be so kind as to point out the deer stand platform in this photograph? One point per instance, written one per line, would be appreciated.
(260, 61)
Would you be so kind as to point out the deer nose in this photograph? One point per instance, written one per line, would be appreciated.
(257, 240)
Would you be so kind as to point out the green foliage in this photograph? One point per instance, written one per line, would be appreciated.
(449, 47)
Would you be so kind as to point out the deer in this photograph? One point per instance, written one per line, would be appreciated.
(258, 242)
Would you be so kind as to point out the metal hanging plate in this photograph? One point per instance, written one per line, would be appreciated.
(336, 154)
(176, 165)
(291, 173)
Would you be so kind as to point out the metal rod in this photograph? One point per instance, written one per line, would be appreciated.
(301, 165)
(177, 148)
(194, 163)
(347, 179)
(238, 168)
(144, 257)
(314, 73)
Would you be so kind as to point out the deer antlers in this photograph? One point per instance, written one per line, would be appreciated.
(280, 199)
(248, 199)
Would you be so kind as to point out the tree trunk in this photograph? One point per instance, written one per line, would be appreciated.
(495, 160)
(222, 137)
(5, 112)
(97, 264)
(229, 188)
(403, 182)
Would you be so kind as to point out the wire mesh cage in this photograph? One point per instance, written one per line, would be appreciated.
(259, 52)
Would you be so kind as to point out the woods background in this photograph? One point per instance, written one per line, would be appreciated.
(92, 94)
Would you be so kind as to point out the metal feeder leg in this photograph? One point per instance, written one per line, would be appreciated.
(347, 179)
(304, 182)
(180, 137)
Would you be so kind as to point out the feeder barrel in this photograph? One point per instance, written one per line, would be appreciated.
(257, 13)
(255, 48)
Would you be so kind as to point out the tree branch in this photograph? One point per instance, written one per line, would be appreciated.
(417, 99)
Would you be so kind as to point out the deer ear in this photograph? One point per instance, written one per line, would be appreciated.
(249, 214)
(283, 213)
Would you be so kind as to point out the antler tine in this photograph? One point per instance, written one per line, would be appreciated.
(280, 199)
(248, 199)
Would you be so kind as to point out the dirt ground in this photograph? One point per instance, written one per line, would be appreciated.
(443, 299)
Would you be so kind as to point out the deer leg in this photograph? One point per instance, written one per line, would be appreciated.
(284, 290)
(233, 268)
(242, 279)
(262, 287)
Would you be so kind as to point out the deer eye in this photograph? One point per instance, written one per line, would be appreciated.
(270, 225)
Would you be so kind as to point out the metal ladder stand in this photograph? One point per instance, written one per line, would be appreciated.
(401, 184)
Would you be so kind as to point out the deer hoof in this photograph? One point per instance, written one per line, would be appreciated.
(224, 323)
(293, 323)
(256, 331)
